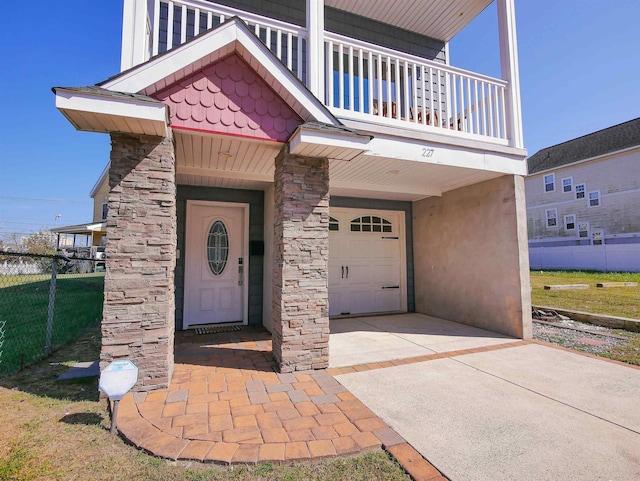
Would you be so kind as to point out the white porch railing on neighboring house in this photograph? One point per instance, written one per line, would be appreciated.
(363, 81)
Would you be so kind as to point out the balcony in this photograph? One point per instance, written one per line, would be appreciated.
(359, 81)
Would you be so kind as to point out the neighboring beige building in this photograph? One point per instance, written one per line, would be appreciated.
(583, 202)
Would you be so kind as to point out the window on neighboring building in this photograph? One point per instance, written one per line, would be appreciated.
(570, 222)
(65, 240)
(594, 198)
(580, 190)
(104, 211)
(552, 217)
(583, 230)
(597, 237)
(550, 182)
(567, 184)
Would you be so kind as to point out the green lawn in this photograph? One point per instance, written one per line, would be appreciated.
(618, 301)
(24, 301)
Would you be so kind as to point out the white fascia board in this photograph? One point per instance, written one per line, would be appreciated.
(352, 143)
(68, 101)
(100, 180)
(434, 153)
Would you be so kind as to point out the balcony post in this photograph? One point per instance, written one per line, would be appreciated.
(315, 48)
(510, 70)
(134, 34)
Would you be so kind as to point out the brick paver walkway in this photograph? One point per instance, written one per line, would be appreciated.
(226, 404)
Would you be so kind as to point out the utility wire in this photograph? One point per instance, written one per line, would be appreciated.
(58, 201)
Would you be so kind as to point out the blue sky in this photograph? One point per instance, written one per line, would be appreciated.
(579, 70)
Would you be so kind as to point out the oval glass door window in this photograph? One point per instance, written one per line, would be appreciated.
(217, 247)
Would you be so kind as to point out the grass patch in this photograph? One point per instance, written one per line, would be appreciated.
(59, 431)
(24, 303)
(619, 301)
(629, 352)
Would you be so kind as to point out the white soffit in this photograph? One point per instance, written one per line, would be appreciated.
(387, 178)
(332, 145)
(95, 113)
(232, 36)
(440, 19)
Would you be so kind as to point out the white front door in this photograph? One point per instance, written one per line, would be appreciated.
(366, 261)
(215, 263)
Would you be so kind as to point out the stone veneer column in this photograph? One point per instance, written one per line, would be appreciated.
(138, 316)
(301, 255)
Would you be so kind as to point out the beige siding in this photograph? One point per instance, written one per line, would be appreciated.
(99, 199)
(617, 177)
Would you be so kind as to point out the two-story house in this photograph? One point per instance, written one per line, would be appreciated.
(583, 202)
(280, 163)
(88, 239)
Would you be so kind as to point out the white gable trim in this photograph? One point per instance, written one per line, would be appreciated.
(229, 36)
(100, 180)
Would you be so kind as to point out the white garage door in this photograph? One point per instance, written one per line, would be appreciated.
(366, 261)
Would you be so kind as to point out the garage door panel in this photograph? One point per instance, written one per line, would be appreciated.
(359, 275)
(334, 275)
(387, 300)
(338, 247)
(386, 249)
(360, 301)
(336, 303)
(384, 275)
(359, 248)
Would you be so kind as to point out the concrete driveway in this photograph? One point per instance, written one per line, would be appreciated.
(529, 412)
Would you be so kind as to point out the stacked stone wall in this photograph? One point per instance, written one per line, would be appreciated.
(139, 304)
(301, 255)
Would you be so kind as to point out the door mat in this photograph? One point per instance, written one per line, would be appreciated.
(217, 329)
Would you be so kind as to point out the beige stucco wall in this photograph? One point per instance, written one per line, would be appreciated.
(471, 256)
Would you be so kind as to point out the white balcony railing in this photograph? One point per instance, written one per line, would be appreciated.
(363, 81)
(176, 21)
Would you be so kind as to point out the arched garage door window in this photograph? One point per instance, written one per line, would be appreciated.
(370, 223)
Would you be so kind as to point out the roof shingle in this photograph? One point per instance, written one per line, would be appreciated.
(611, 139)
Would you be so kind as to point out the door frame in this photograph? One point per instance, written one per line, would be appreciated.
(245, 254)
(402, 233)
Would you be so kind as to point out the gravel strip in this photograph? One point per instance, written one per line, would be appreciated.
(570, 338)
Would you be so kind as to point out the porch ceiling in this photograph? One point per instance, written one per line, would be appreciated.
(440, 19)
(238, 163)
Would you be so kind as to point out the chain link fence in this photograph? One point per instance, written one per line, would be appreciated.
(46, 301)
